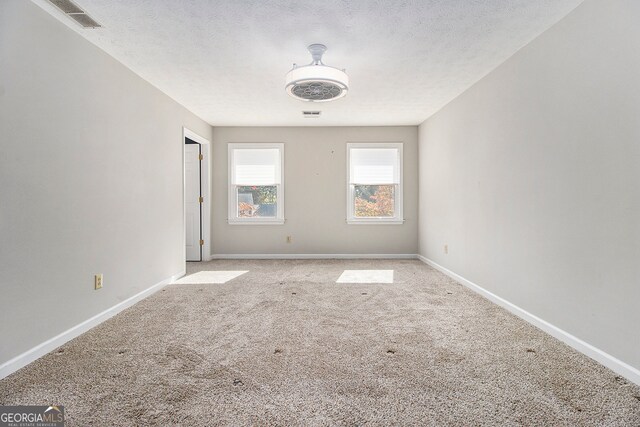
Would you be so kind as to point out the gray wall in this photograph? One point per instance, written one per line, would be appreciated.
(90, 179)
(315, 194)
(532, 178)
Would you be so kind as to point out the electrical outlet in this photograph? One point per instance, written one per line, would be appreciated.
(289, 239)
(98, 281)
(446, 249)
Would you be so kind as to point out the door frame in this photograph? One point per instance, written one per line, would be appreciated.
(205, 188)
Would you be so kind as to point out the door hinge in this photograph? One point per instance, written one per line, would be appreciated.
(201, 242)
(201, 199)
(200, 156)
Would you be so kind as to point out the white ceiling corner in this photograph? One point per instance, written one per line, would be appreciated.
(226, 60)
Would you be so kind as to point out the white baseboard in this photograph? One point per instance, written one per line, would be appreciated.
(311, 256)
(40, 350)
(585, 348)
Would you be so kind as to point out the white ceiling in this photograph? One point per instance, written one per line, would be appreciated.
(225, 60)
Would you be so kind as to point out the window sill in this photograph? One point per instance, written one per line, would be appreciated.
(375, 221)
(255, 221)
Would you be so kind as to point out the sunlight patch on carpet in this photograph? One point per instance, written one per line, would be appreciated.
(366, 276)
(215, 277)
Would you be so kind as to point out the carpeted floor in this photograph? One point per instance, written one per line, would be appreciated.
(285, 345)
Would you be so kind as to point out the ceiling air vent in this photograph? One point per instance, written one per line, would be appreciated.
(311, 114)
(74, 12)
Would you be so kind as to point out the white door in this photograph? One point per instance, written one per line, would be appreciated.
(192, 202)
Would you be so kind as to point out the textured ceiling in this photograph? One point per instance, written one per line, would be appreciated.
(225, 60)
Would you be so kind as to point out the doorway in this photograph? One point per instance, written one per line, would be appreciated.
(196, 197)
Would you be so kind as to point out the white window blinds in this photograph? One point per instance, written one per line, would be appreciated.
(374, 166)
(256, 166)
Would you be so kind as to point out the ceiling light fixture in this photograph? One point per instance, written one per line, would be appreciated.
(317, 82)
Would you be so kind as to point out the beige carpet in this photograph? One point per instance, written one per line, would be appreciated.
(285, 345)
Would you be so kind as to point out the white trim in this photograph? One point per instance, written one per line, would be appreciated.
(398, 218)
(51, 344)
(313, 256)
(205, 186)
(375, 221)
(188, 133)
(232, 196)
(206, 194)
(255, 221)
(616, 365)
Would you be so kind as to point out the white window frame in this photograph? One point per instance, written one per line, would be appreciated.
(233, 193)
(398, 217)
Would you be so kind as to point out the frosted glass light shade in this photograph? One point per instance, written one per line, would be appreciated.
(317, 83)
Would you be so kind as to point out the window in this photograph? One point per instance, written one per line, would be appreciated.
(256, 191)
(374, 193)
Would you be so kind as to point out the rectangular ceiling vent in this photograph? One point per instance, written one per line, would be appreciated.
(74, 12)
(311, 114)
